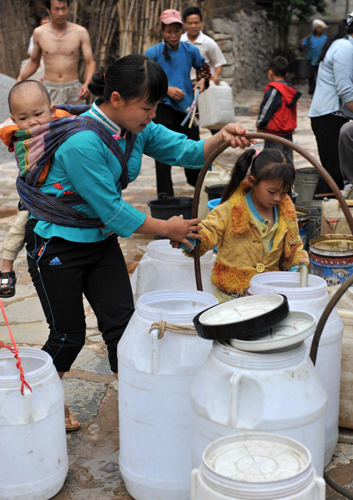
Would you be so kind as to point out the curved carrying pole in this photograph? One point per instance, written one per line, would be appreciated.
(279, 140)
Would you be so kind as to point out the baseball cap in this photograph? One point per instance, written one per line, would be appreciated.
(170, 16)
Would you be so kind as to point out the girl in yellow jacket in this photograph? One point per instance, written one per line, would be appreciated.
(255, 226)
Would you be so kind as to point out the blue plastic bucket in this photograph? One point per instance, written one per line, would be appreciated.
(303, 216)
(331, 257)
(211, 205)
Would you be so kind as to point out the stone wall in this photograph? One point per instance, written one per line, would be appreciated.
(248, 41)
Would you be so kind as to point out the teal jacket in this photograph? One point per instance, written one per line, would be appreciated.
(84, 165)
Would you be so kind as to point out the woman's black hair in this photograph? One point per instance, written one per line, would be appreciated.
(134, 77)
(165, 49)
(343, 31)
(268, 165)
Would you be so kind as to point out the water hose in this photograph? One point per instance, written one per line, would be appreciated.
(279, 140)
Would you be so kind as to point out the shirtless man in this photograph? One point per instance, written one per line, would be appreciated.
(60, 43)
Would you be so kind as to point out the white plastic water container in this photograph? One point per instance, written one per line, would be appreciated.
(165, 268)
(216, 107)
(155, 376)
(278, 392)
(33, 455)
(313, 299)
(256, 466)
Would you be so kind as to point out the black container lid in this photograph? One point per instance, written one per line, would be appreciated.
(246, 318)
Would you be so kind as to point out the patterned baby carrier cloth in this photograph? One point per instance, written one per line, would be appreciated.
(35, 148)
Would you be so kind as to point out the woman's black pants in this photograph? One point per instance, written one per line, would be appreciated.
(62, 272)
(170, 118)
(327, 131)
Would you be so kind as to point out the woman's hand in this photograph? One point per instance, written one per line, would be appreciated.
(178, 229)
(176, 93)
(200, 85)
(233, 129)
(229, 132)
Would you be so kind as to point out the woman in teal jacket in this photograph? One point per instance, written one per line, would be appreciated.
(67, 262)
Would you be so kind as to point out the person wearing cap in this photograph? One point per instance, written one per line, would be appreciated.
(314, 43)
(332, 104)
(177, 58)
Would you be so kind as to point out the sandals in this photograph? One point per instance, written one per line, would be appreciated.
(71, 423)
(7, 284)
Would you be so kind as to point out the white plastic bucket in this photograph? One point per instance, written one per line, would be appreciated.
(313, 299)
(237, 392)
(165, 268)
(155, 376)
(216, 107)
(256, 466)
(34, 460)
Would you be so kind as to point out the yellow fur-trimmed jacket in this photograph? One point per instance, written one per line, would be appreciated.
(240, 251)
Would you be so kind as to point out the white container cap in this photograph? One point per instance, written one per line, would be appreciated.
(242, 309)
(162, 250)
(288, 333)
(257, 457)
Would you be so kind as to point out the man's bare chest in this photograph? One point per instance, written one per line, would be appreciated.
(67, 46)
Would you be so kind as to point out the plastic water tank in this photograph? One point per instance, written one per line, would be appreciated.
(163, 267)
(216, 107)
(277, 392)
(155, 376)
(313, 299)
(33, 456)
(256, 466)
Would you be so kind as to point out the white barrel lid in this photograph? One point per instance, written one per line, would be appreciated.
(288, 333)
(242, 309)
(257, 457)
(162, 250)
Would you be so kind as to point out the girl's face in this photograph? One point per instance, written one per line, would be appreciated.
(172, 33)
(133, 115)
(268, 194)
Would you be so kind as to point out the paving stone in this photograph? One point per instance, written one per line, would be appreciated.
(83, 397)
(26, 333)
(92, 362)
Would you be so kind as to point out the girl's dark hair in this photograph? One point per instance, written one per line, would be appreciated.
(134, 77)
(268, 165)
(343, 31)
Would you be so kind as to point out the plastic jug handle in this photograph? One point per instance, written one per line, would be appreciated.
(27, 401)
(193, 491)
(154, 351)
(254, 414)
(233, 399)
(320, 487)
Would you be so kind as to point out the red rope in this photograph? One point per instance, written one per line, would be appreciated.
(14, 351)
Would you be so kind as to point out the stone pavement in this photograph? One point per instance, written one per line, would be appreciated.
(91, 390)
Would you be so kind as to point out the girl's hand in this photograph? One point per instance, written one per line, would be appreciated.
(233, 129)
(200, 85)
(178, 229)
(176, 93)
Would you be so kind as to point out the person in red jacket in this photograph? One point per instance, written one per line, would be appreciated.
(278, 110)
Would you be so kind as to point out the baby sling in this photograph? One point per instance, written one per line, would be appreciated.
(45, 139)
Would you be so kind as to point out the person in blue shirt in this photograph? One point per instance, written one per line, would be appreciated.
(66, 262)
(314, 43)
(177, 58)
(332, 104)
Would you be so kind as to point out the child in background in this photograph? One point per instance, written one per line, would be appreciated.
(255, 226)
(278, 110)
(30, 106)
